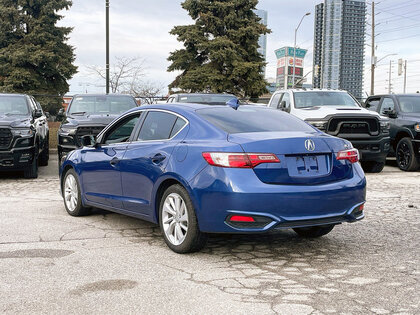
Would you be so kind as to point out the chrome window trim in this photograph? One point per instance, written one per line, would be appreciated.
(169, 112)
(139, 112)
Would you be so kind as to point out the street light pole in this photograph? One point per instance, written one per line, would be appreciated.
(294, 50)
(107, 45)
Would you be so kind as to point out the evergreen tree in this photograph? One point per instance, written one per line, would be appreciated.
(34, 55)
(220, 51)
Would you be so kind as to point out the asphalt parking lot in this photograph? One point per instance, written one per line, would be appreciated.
(108, 263)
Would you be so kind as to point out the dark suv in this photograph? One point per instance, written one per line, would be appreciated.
(403, 111)
(24, 134)
(88, 114)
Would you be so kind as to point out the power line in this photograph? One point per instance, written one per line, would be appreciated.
(394, 39)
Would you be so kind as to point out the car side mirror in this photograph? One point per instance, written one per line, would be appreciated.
(88, 141)
(38, 113)
(392, 114)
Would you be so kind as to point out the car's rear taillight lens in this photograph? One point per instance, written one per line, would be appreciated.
(239, 160)
(351, 155)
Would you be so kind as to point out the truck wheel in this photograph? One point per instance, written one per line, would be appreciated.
(372, 166)
(406, 158)
(32, 170)
(178, 221)
(45, 154)
(314, 231)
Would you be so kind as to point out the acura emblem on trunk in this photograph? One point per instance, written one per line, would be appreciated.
(309, 145)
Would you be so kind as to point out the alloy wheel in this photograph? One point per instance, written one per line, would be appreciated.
(175, 219)
(403, 155)
(71, 192)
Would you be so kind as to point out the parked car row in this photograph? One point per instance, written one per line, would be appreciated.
(216, 166)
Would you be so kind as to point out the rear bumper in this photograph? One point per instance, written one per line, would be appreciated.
(281, 206)
(16, 159)
(372, 150)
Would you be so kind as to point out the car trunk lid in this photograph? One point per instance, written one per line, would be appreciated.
(305, 158)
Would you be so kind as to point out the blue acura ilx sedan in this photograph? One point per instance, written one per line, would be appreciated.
(198, 169)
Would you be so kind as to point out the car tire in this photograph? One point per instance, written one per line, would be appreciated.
(32, 171)
(45, 154)
(314, 231)
(72, 195)
(406, 158)
(178, 221)
(372, 166)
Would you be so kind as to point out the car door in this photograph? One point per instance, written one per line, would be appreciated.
(38, 122)
(147, 157)
(42, 123)
(100, 166)
(388, 105)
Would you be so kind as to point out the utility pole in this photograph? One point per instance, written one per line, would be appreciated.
(107, 45)
(405, 76)
(389, 83)
(373, 60)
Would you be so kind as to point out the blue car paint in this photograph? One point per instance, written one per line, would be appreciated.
(131, 188)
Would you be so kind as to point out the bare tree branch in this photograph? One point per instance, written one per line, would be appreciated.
(123, 73)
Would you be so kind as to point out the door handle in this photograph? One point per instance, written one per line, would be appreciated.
(114, 161)
(158, 158)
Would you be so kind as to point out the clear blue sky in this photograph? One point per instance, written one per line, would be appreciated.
(140, 28)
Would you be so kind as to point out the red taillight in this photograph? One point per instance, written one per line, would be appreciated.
(241, 218)
(239, 160)
(351, 155)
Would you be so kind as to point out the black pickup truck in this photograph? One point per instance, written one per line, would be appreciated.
(24, 134)
(403, 111)
(88, 114)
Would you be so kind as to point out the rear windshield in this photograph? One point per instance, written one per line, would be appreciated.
(410, 104)
(323, 98)
(206, 99)
(13, 105)
(252, 119)
(110, 104)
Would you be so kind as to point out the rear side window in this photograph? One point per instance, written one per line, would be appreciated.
(160, 126)
(179, 123)
(252, 119)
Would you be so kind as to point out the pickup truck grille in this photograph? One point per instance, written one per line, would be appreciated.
(88, 131)
(349, 125)
(5, 138)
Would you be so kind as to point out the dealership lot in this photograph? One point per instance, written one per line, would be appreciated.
(53, 263)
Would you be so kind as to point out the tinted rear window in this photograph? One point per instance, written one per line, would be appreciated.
(252, 119)
(206, 99)
(104, 104)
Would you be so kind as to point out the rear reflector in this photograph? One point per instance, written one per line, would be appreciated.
(362, 207)
(240, 218)
(351, 155)
(239, 160)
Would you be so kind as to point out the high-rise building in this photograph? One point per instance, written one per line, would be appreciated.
(262, 42)
(339, 43)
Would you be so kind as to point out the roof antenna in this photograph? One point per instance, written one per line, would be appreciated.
(234, 103)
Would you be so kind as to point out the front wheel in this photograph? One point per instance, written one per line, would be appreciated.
(45, 154)
(372, 166)
(406, 158)
(32, 170)
(72, 195)
(178, 221)
(314, 231)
